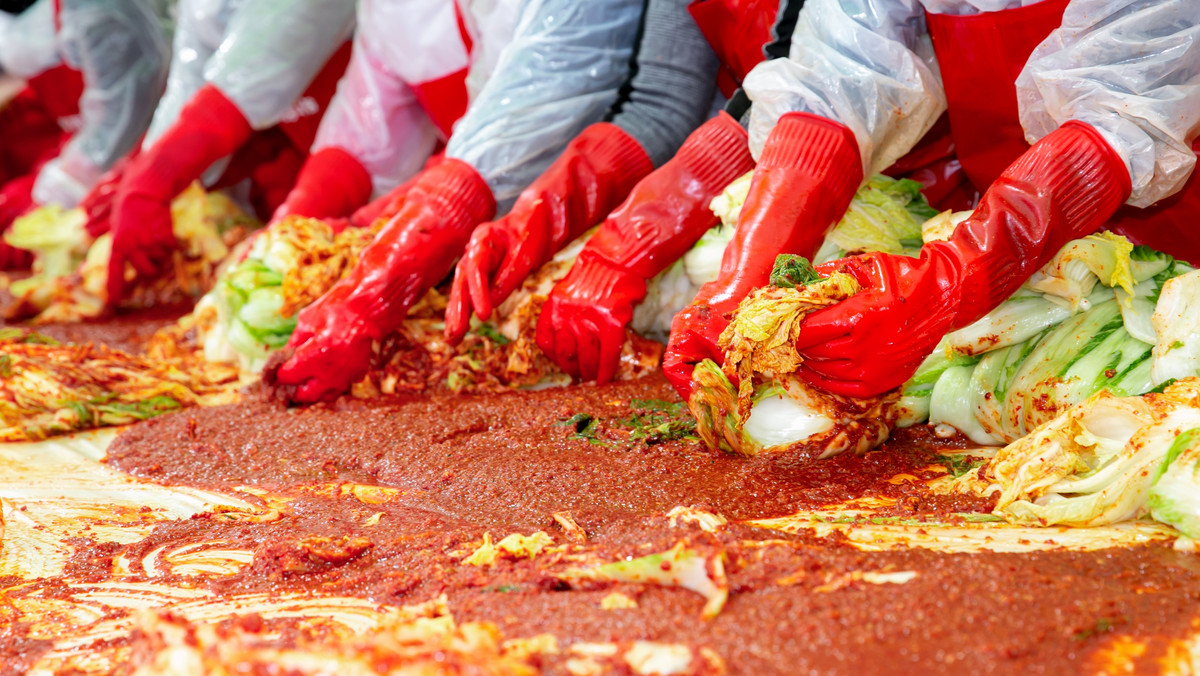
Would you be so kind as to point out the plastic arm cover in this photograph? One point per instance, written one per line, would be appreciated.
(375, 115)
(272, 51)
(867, 64)
(122, 49)
(261, 54)
(28, 44)
(1131, 69)
(561, 72)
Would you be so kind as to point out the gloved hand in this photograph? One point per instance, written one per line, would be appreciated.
(209, 128)
(807, 175)
(331, 347)
(15, 199)
(98, 203)
(1064, 187)
(582, 324)
(332, 184)
(595, 172)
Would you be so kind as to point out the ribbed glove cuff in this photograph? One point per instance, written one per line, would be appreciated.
(822, 149)
(616, 154)
(1088, 179)
(458, 191)
(716, 153)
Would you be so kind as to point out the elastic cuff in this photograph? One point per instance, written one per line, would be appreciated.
(821, 148)
(211, 107)
(1088, 178)
(615, 153)
(460, 192)
(716, 153)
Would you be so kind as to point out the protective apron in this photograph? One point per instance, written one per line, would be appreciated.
(980, 57)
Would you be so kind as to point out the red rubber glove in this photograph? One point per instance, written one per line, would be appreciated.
(332, 184)
(332, 342)
(1064, 187)
(209, 128)
(590, 178)
(98, 203)
(16, 198)
(389, 205)
(582, 324)
(808, 172)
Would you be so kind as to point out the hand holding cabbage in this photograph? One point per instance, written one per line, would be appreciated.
(71, 270)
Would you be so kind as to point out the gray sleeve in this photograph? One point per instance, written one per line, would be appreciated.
(561, 73)
(671, 88)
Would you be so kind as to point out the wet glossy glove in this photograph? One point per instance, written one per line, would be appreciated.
(582, 324)
(209, 128)
(590, 178)
(388, 205)
(98, 203)
(332, 184)
(332, 342)
(805, 179)
(15, 199)
(1065, 187)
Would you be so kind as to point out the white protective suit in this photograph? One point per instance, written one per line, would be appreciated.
(540, 71)
(121, 48)
(261, 54)
(400, 47)
(28, 41)
(1129, 68)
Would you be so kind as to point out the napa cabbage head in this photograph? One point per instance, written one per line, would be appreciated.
(1082, 324)
(248, 300)
(1176, 325)
(885, 215)
(771, 409)
(1098, 462)
(1175, 496)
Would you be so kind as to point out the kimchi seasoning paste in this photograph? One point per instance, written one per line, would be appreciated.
(462, 469)
(390, 501)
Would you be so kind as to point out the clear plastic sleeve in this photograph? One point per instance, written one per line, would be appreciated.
(262, 54)
(122, 49)
(867, 64)
(375, 115)
(1131, 69)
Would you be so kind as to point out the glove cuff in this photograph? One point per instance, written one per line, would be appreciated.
(209, 128)
(716, 153)
(227, 124)
(822, 149)
(615, 154)
(1087, 178)
(458, 191)
(332, 184)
